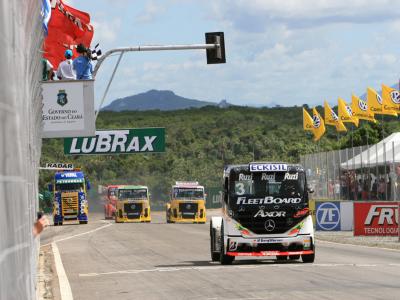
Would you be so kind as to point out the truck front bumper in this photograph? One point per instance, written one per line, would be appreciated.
(268, 246)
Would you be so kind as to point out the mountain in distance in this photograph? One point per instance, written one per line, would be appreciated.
(158, 100)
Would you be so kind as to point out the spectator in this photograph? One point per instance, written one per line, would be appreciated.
(65, 69)
(47, 70)
(337, 189)
(82, 64)
(381, 189)
(365, 190)
(374, 191)
(359, 189)
(396, 195)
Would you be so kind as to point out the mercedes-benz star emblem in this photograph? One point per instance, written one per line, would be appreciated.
(133, 206)
(188, 206)
(269, 225)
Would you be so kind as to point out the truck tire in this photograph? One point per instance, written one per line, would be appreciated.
(83, 222)
(309, 258)
(224, 259)
(167, 214)
(214, 254)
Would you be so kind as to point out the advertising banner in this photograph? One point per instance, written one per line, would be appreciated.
(328, 216)
(68, 108)
(121, 141)
(376, 218)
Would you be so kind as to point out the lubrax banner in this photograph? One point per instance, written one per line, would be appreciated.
(122, 141)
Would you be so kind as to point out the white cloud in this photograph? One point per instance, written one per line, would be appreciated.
(107, 31)
(151, 11)
(257, 15)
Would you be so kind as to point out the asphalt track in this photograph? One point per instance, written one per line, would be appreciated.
(104, 260)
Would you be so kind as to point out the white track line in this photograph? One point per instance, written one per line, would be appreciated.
(218, 267)
(77, 235)
(355, 245)
(65, 288)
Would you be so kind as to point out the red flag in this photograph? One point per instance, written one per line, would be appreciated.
(68, 27)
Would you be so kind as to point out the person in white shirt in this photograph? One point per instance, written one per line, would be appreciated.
(65, 70)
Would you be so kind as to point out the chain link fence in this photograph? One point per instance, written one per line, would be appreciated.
(370, 172)
(20, 145)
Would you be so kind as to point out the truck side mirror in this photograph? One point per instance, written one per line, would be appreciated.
(88, 184)
(310, 189)
(50, 187)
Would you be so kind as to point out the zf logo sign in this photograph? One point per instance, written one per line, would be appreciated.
(328, 216)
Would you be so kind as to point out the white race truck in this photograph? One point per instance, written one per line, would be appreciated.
(265, 213)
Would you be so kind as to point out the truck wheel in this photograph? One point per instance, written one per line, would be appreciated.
(308, 258)
(167, 216)
(224, 259)
(83, 222)
(214, 255)
(293, 257)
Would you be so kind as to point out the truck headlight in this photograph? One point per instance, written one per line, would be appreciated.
(307, 243)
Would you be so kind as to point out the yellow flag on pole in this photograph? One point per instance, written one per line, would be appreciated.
(319, 125)
(307, 121)
(332, 119)
(390, 99)
(375, 103)
(345, 113)
(361, 110)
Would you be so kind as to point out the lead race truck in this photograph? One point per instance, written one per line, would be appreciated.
(265, 213)
(70, 197)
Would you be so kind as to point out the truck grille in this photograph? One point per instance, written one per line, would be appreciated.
(133, 210)
(259, 225)
(188, 210)
(69, 205)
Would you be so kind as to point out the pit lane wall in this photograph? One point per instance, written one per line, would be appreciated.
(20, 145)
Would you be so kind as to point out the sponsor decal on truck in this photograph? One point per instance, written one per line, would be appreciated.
(376, 218)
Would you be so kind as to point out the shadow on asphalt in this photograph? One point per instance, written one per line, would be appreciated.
(205, 263)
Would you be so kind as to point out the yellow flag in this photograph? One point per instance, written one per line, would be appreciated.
(307, 121)
(375, 103)
(361, 110)
(345, 113)
(390, 99)
(318, 124)
(332, 119)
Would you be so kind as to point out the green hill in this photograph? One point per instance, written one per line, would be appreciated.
(199, 142)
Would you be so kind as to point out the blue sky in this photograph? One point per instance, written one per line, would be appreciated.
(278, 52)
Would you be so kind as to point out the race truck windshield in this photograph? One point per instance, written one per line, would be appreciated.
(188, 193)
(132, 194)
(112, 192)
(60, 187)
(270, 184)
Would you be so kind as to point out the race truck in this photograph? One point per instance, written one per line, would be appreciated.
(133, 204)
(187, 203)
(110, 201)
(265, 213)
(70, 197)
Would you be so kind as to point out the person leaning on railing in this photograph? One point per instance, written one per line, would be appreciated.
(65, 69)
(82, 64)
